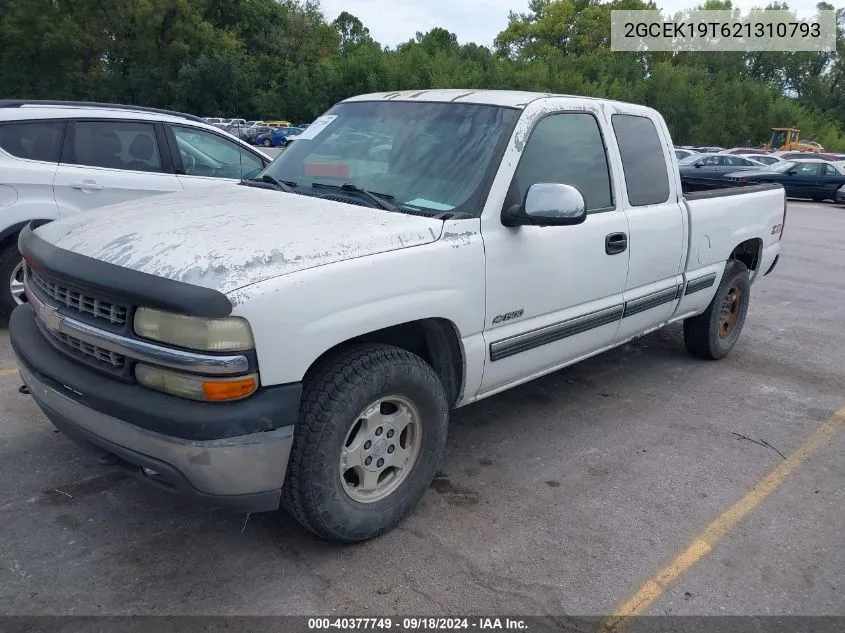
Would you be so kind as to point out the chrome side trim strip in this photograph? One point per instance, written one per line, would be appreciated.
(694, 285)
(650, 301)
(555, 332)
(54, 321)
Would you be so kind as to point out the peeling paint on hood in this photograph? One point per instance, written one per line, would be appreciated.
(229, 236)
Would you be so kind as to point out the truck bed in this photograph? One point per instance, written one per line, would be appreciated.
(720, 219)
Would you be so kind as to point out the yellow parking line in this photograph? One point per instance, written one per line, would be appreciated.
(704, 543)
(8, 372)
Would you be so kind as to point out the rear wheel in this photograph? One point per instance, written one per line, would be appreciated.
(713, 334)
(371, 433)
(267, 142)
(11, 277)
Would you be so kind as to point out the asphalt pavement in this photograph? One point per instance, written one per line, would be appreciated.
(640, 480)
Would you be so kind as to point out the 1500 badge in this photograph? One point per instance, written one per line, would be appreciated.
(507, 317)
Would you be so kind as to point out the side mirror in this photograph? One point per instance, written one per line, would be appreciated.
(548, 204)
(792, 172)
(697, 165)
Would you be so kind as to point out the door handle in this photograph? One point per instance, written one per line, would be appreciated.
(615, 243)
(90, 185)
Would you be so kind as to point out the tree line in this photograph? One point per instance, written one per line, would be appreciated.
(283, 59)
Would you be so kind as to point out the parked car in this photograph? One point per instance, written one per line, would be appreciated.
(303, 339)
(684, 153)
(278, 137)
(840, 195)
(812, 178)
(807, 155)
(62, 158)
(251, 134)
(765, 159)
(746, 151)
(708, 171)
(247, 132)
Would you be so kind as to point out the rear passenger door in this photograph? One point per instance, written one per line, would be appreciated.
(29, 157)
(658, 237)
(109, 161)
(831, 180)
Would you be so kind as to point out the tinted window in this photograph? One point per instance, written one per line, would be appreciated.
(735, 161)
(116, 145)
(713, 161)
(204, 153)
(646, 172)
(567, 149)
(35, 140)
(830, 170)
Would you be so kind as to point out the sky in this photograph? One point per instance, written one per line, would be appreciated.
(392, 22)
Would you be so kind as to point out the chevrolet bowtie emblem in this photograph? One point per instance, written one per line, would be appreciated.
(51, 319)
(48, 315)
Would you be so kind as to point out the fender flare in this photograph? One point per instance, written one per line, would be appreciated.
(15, 229)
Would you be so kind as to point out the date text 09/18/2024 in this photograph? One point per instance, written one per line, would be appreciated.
(417, 624)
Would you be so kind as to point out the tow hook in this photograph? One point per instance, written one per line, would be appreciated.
(23, 389)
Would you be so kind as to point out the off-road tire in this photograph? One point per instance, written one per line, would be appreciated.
(333, 396)
(702, 332)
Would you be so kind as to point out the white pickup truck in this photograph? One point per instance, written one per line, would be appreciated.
(301, 338)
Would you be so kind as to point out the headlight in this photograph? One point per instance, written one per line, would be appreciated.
(196, 387)
(211, 335)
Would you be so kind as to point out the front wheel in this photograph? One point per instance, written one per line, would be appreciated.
(713, 334)
(11, 277)
(267, 142)
(371, 433)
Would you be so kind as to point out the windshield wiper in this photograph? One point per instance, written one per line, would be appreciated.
(378, 198)
(284, 185)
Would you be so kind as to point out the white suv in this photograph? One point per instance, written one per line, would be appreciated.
(58, 158)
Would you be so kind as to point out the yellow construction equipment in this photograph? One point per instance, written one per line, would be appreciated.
(786, 139)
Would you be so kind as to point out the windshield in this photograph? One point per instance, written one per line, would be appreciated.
(432, 157)
(783, 167)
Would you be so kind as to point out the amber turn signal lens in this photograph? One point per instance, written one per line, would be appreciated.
(196, 387)
(229, 389)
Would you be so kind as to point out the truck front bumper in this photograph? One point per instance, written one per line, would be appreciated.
(241, 472)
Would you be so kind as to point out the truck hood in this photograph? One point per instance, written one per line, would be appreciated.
(229, 236)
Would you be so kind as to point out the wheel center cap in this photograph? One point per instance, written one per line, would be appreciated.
(379, 447)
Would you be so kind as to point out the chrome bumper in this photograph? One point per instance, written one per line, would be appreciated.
(245, 471)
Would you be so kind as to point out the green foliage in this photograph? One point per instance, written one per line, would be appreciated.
(283, 59)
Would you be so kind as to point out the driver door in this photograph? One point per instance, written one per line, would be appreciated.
(203, 158)
(804, 184)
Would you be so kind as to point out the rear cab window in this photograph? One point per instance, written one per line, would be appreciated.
(643, 161)
(33, 140)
